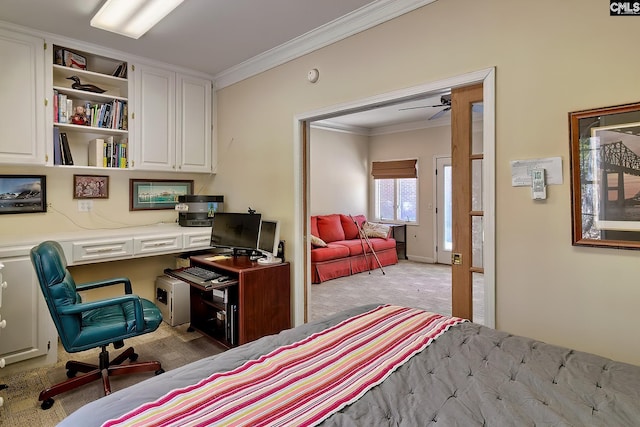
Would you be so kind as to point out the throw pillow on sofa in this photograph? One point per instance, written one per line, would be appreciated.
(316, 241)
(372, 229)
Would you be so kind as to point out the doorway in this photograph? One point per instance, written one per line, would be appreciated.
(302, 270)
(444, 228)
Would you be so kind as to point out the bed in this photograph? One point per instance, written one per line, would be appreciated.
(461, 374)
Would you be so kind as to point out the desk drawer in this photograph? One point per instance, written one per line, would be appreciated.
(197, 240)
(95, 250)
(157, 244)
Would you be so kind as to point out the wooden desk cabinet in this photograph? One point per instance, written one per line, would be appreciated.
(261, 293)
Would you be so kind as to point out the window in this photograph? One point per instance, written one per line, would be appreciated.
(396, 190)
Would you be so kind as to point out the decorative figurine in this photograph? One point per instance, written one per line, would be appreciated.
(86, 87)
(80, 116)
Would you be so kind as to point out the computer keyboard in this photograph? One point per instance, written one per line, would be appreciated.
(202, 273)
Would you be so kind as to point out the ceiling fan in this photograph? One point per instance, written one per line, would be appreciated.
(445, 101)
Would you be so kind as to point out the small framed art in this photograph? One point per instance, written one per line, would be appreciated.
(90, 187)
(153, 194)
(23, 194)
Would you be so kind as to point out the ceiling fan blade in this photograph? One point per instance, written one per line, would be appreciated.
(421, 106)
(439, 114)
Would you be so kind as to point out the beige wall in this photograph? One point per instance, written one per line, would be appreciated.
(551, 58)
(338, 176)
(423, 145)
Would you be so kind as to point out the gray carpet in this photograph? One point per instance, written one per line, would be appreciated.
(173, 347)
(408, 283)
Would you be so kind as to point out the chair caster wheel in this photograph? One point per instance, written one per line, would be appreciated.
(48, 403)
(159, 371)
(71, 373)
(133, 357)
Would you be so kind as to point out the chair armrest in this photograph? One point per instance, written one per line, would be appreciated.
(107, 282)
(92, 305)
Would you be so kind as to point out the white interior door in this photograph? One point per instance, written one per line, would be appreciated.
(444, 241)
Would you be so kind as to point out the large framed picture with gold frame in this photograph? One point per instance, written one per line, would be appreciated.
(605, 176)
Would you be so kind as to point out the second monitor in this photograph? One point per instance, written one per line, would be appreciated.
(269, 241)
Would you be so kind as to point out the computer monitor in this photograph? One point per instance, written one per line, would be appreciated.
(236, 231)
(269, 241)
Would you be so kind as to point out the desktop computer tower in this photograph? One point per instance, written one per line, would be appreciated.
(173, 299)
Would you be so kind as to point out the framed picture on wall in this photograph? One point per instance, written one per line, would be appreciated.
(154, 194)
(23, 194)
(605, 176)
(90, 187)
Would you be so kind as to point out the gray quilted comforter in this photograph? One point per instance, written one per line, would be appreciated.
(470, 376)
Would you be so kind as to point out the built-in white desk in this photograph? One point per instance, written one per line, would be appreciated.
(29, 331)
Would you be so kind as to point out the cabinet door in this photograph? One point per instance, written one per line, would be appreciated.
(22, 110)
(155, 118)
(193, 125)
(30, 331)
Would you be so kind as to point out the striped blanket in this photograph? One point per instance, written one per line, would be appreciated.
(300, 384)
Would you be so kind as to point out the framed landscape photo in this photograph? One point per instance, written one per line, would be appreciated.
(23, 194)
(90, 187)
(605, 176)
(153, 194)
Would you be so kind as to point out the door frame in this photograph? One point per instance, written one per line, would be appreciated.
(301, 121)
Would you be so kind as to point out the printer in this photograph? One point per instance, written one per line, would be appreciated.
(198, 210)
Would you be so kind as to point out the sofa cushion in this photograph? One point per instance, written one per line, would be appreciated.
(350, 229)
(381, 244)
(332, 251)
(330, 228)
(354, 245)
(314, 226)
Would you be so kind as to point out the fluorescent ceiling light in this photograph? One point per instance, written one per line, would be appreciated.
(132, 18)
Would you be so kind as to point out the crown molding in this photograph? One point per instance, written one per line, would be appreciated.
(357, 21)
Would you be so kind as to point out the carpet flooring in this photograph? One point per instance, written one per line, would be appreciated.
(172, 346)
(408, 283)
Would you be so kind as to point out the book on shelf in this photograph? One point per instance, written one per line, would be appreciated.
(62, 108)
(57, 150)
(120, 71)
(55, 106)
(67, 158)
(96, 152)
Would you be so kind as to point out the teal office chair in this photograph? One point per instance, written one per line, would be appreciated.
(86, 325)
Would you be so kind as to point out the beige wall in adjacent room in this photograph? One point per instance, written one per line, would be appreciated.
(339, 173)
(423, 145)
(550, 58)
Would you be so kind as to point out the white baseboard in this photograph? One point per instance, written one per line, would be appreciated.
(421, 259)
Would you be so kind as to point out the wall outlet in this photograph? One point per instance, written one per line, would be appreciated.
(85, 205)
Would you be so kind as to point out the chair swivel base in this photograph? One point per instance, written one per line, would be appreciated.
(102, 371)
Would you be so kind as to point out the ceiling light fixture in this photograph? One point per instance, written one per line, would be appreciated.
(132, 18)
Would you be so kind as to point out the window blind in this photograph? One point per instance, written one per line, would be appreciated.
(394, 169)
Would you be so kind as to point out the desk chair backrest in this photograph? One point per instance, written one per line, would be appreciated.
(58, 288)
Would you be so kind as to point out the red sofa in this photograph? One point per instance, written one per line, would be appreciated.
(343, 254)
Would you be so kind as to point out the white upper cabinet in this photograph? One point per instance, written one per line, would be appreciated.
(154, 118)
(193, 127)
(22, 110)
(172, 121)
